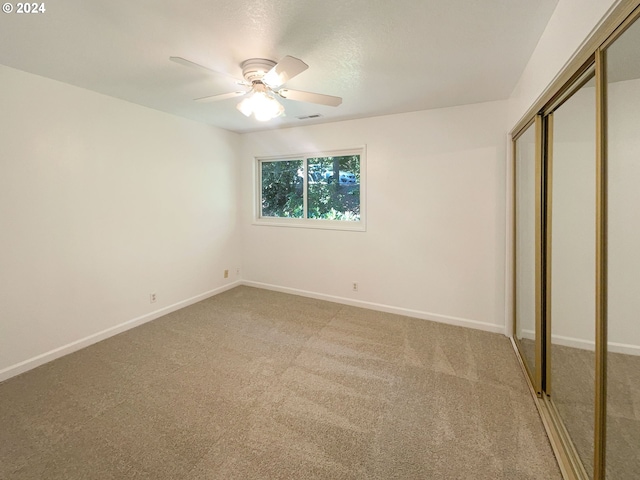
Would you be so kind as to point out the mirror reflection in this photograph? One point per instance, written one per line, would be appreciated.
(623, 217)
(571, 381)
(525, 247)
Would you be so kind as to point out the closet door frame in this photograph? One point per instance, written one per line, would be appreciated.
(569, 453)
(535, 376)
(593, 53)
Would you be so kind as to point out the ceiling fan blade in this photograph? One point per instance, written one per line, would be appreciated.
(215, 98)
(284, 70)
(310, 97)
(197, 66)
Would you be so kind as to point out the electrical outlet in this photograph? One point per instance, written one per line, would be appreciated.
(152, 298)
(355, 286)
(226, 274)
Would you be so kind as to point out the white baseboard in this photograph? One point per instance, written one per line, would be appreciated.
(528, 334)
(34, 362)
(614, 347)
(624, 348)
(461, 322)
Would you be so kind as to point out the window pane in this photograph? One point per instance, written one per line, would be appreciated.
(334, 188)
(282, 189)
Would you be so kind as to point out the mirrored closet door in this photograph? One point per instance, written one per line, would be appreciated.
(526, 185)
(576, 173)
(622, 60)
(570, 266)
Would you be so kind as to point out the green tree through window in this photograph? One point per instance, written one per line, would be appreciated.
(315, 187)
(333, 190)
(282, 187)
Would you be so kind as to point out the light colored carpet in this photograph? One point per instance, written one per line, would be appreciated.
(573, 394)
(623, 416)
(253, 384)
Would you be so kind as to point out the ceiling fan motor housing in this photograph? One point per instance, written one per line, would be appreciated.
(266, 77)
(256, 68)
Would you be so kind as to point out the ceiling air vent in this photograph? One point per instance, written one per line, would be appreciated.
(307, 117)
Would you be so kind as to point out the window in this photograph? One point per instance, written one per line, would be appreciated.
(321, 190)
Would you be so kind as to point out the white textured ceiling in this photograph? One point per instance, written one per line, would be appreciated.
(380, 56)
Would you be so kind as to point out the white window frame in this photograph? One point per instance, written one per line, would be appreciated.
(258, 219)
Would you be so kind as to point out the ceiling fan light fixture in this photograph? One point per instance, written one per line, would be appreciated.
(265, 77)
(263, 106)
(245, 107)
(274, 78)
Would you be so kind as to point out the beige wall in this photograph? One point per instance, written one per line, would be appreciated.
(101, 203)
(434, 245)
(571, 24)
(624, 216)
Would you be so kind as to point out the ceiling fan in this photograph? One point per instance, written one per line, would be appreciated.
(263, 80)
